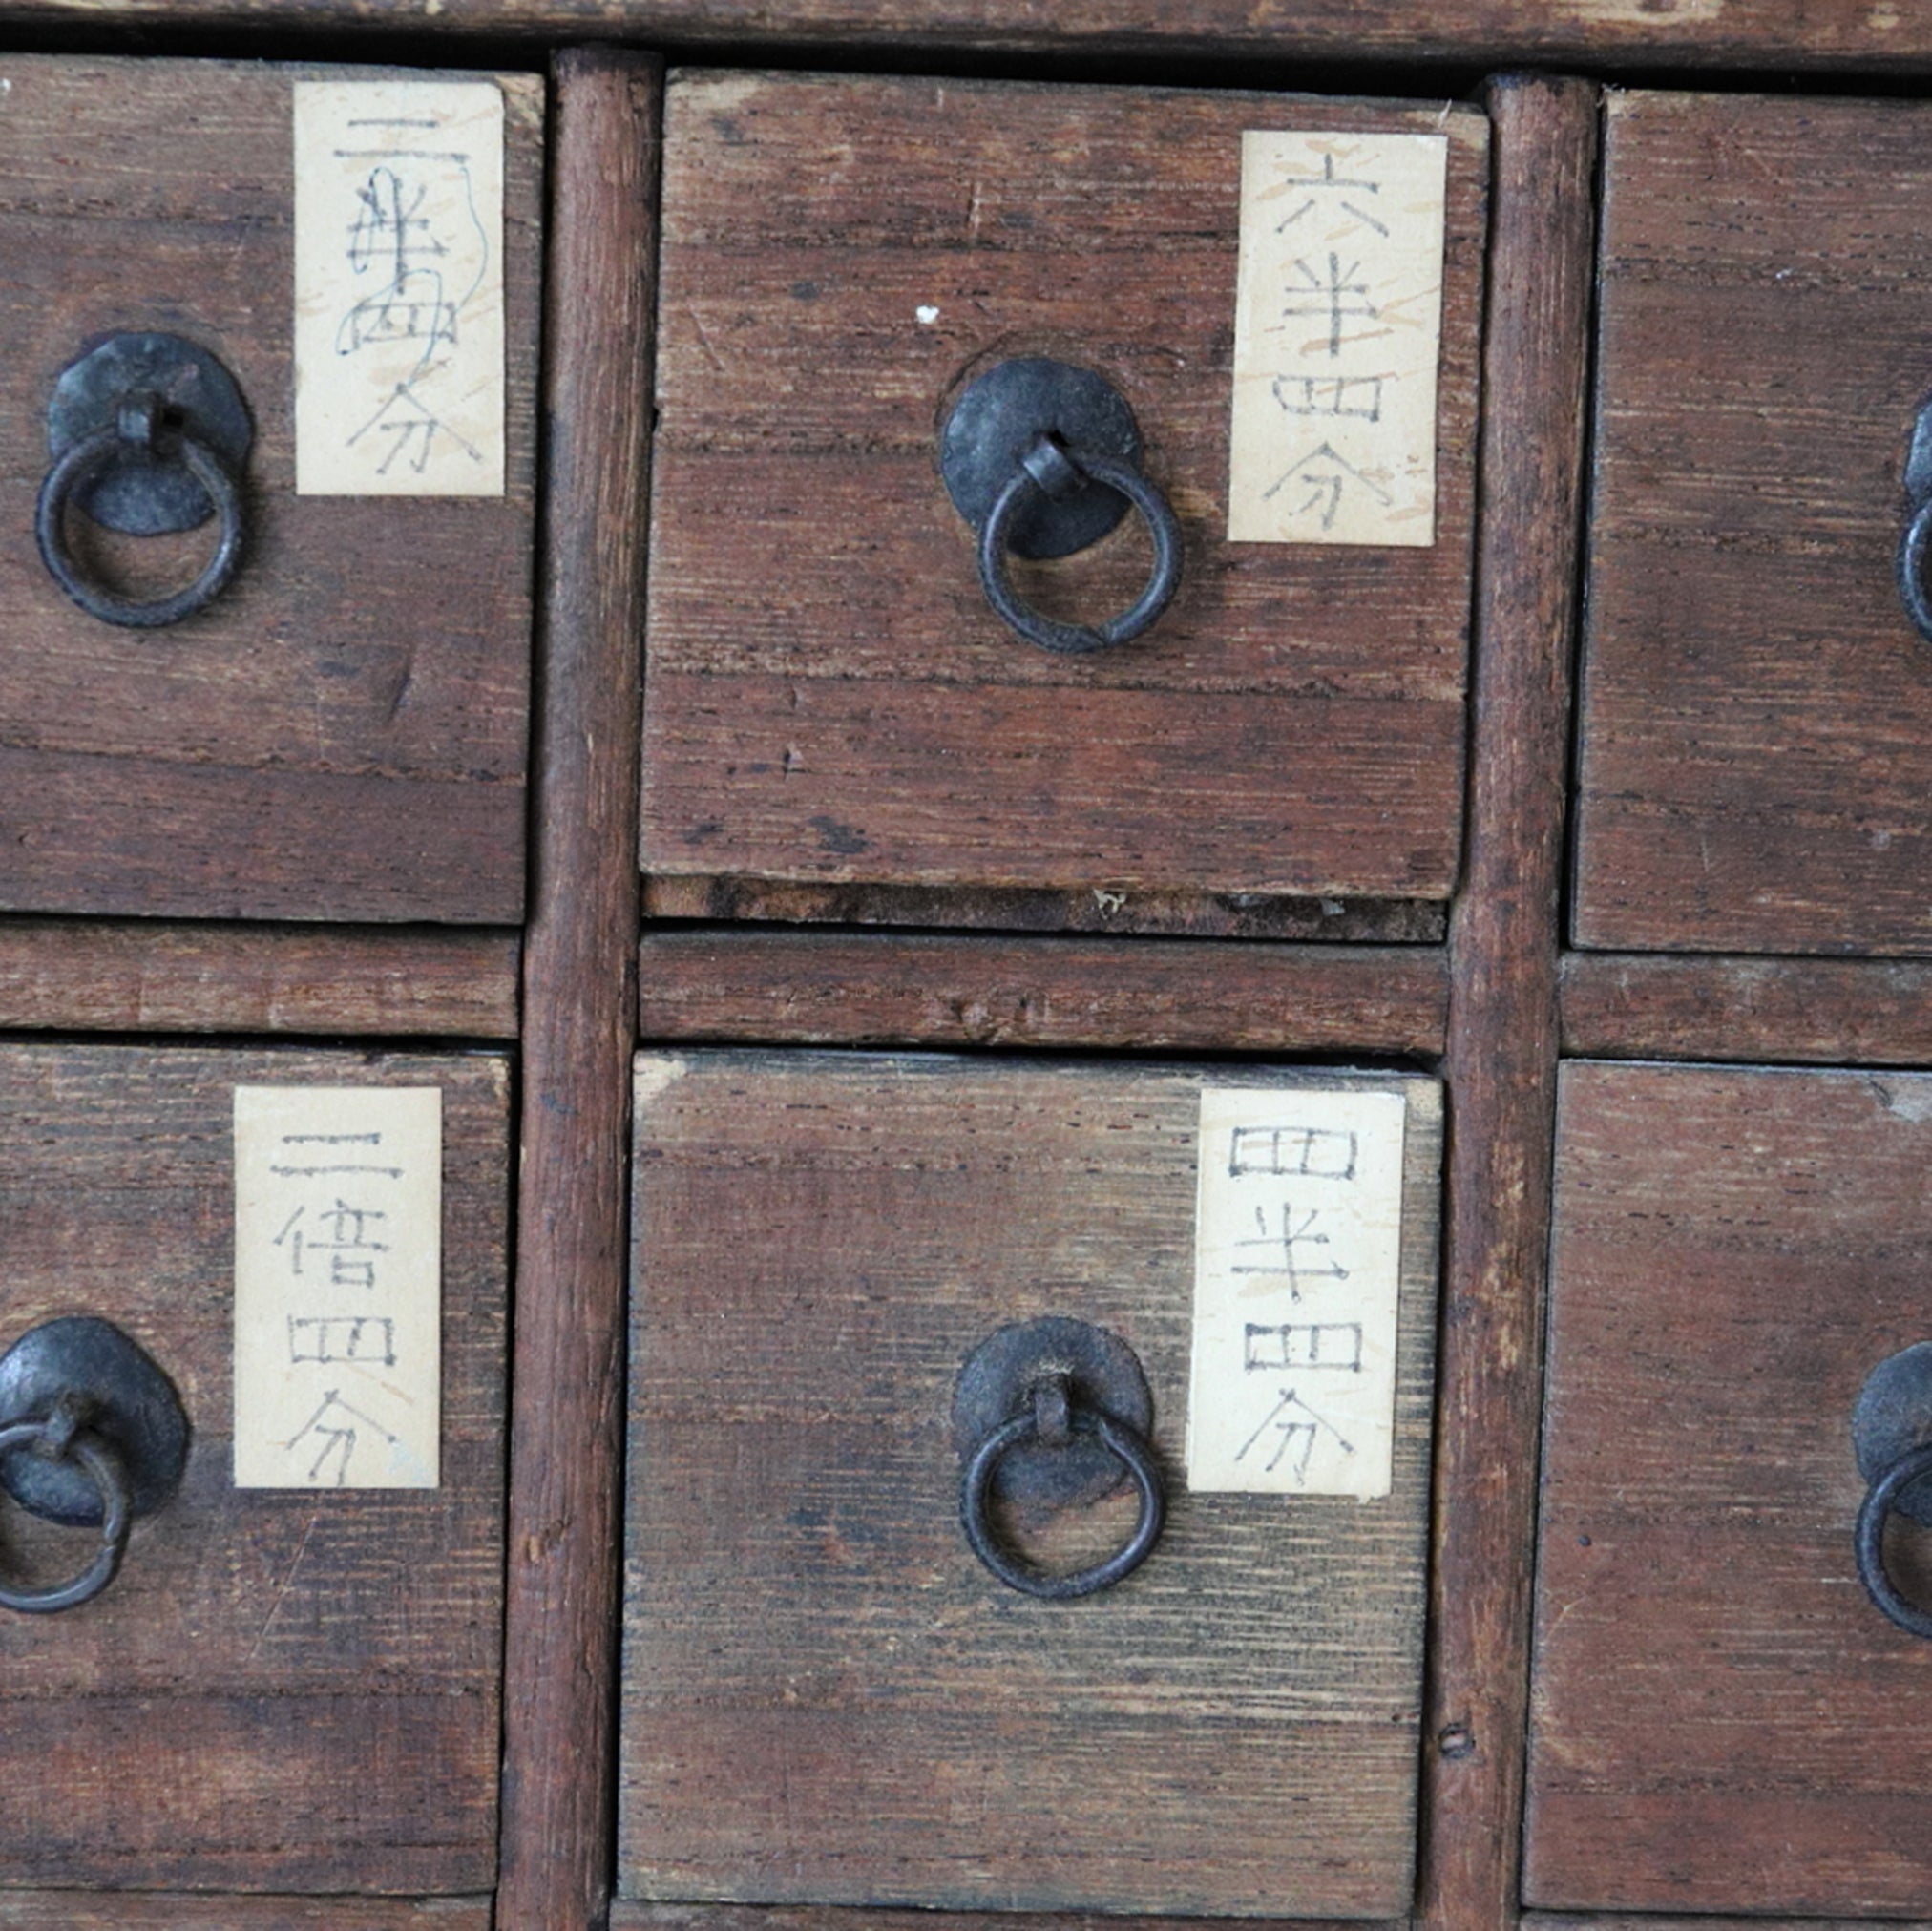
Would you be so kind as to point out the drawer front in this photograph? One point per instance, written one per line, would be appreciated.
(1757, 738)
(832, 702)
(827, 1698)
(283, 1690)
(1722, 1720)
(341, 733)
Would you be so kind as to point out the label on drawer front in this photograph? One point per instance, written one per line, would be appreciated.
(1297, 1270)
(398, 289)
(337, 1286)
(1337, 334)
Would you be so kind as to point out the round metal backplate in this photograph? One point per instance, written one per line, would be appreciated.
(997, 1382)
(1002, 414)
(140, 495)
(1894, 1416)
(137, 1414)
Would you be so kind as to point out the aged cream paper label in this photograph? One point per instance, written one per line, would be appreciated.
(338, 1287)
(398, 289)
(1297, 1273)
(1337, 332)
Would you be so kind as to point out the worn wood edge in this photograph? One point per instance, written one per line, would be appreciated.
(634, 1915)
(1502, 1055)
(1811, 1012)
(142, 976)
(1590, 34)
(176, 1911)
(872, 989)
(1587, 1920)
(1169, 914)
(580, 1003)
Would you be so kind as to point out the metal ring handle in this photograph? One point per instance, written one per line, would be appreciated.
(87, 459)
(1913, 546)
(1869, 1540)
(1125, 1443)
(104, 1468)
(1077, 639)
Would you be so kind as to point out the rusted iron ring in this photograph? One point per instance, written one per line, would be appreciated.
(1047, 469)
(93, 456)
(56, 1438)
(1020, 1430)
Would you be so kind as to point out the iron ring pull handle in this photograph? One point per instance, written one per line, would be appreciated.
(1128, 1445)
(1868, 1538)
(61, 1437)
(1047, 469)
(1042, 458)
(93, 1433)
(139, 427)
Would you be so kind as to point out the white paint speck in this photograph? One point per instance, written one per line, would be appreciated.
(926, 314)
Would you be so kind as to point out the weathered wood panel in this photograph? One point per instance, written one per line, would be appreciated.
(1502, 1014)
(632, 1915)
(1756, 740)
(830, 989)
(1591, 34)
(155, 1911)
(284, 1691)
(1723, 1722)
(1820, 1012)
(148, 976)
(825, 1698)
(581, 1008)
(829, 699)
(341, 735)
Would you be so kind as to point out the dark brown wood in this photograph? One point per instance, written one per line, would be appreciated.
(631, 1915)
(1822, 1012)
(1502, 1007)
(144, 976)
(283, 1690)
(154, 1911)
(1723, 1722)
(825, 1698)
(341, 735)
(1171, 915)
(830, 701)
(1756, 740)
(1681, 35)
(580, 1005)
(830, 989)
(1560, 1921)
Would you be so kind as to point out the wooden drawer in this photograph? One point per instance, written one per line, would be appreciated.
(826, 1697)
(283, 1690)
(1723, 1722)
(1757, 738)
(341, 733)
(836, 723)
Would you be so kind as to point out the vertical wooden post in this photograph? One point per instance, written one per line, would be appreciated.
(1504, 937)
(580, 1004)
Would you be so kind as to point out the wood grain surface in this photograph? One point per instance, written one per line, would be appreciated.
(284, 1690)
(341, 734)
(833, 988)
(825, 1698)
(1681, 35)
(144, 976)
(829, 698)
(1502, 1009)
(1756, 740)
(1723, 1722)
(634, 1915)
(579, 1001)
(1819, 1012)
(154, 1911)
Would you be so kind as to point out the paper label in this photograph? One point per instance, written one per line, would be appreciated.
(1337, 332)
(1298, 1273)
(398, 289)
(338, 1287)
